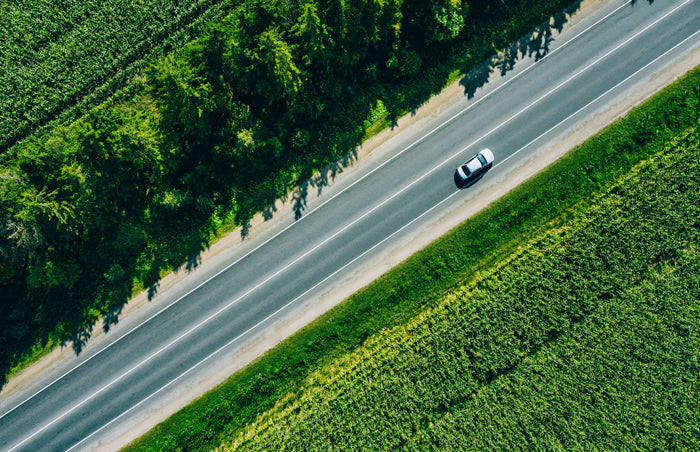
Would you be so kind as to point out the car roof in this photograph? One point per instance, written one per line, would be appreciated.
(474, 164)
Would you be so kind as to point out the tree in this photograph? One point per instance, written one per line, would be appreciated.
(436, 21)
(184, 95)
(274, 58)
(313, 39)
(120, 157)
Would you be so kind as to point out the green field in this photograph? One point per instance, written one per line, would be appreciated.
(102, 198)
(588, 337)
(203, 138)
(60, 58)
(541, 220)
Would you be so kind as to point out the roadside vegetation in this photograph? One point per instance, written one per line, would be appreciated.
(564, 315)
(61, 58)
(200, 140)
(587, 337)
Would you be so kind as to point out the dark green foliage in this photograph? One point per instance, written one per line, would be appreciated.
(72, 208)
(436, 21)
(551, 199)
(60, 58)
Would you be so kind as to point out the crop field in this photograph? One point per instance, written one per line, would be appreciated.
(588, 337)
(59, 58)
(566, 191)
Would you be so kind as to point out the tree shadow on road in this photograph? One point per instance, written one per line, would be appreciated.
(321, 180)
(534, 45)
(182, 236)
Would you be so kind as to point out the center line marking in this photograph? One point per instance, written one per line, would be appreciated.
(374, 246)
(384, 202)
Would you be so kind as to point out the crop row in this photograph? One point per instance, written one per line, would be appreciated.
(58, 59)
(549, 200)
(136, 186)
(588, 336)
(625, 379)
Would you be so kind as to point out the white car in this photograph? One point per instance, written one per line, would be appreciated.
(472, 170)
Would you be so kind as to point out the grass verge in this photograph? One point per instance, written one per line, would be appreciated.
(587, 337)
(549, 200)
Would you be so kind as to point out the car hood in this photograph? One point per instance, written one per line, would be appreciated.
(488, 155)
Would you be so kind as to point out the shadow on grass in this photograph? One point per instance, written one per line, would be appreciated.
(177, 239)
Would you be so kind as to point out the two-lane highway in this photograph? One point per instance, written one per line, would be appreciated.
(141, 368)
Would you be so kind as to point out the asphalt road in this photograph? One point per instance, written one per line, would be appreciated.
(193, 328)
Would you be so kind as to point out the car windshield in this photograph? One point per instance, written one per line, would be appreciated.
(481, 159)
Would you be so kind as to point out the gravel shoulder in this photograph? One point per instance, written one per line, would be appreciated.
(375, 149)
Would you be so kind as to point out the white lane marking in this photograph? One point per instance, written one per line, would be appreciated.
(267, 318)
(177, 339)
(342, 230)
(377, 244)
(478, 101)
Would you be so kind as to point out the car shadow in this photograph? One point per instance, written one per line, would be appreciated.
(188, 236)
